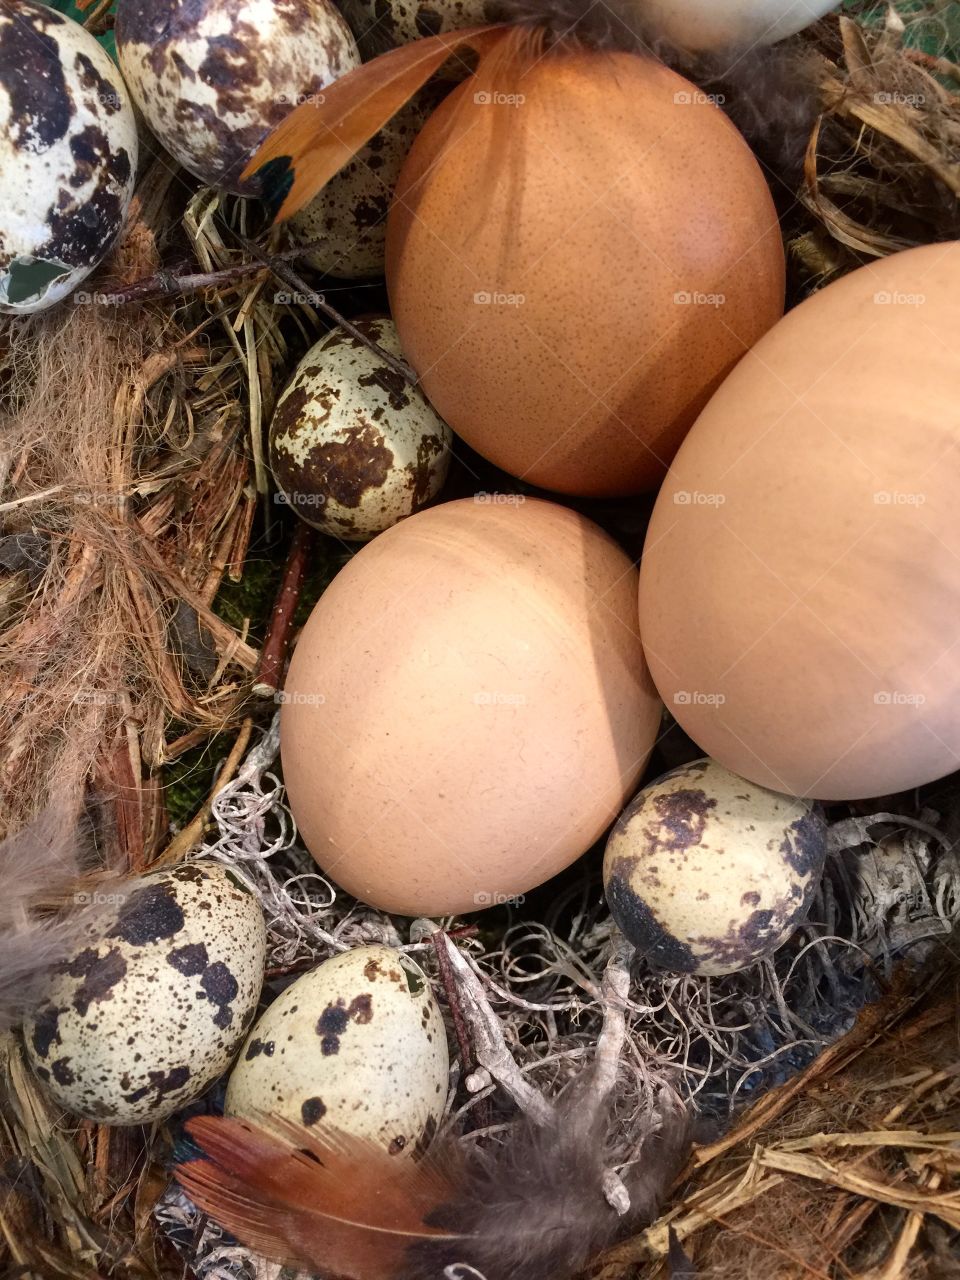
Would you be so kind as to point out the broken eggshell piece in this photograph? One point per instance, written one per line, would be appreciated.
(357, 1044)
(68, 155)
(706, 873)
(149, 1013)
(354, 448)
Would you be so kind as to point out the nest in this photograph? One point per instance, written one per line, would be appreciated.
(133, 493)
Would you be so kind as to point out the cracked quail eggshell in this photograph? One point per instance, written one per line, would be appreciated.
(353, 447)
(213, 77)
(706, 873)
(151, 1010)
(357, 1044)
(68, 155)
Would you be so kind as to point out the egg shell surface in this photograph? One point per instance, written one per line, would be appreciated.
(68, 155)
(467, 708)
(353, 447)
(380, 25)
(722, 24)
(707, 873)
(802, 566)
(349, 215)
(148, 1014)
(213, 77)
(569, 313)
(357, 1044)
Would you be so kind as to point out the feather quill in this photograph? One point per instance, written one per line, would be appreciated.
(533, 1210)
(40, 863)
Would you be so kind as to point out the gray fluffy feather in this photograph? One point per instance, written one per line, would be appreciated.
(40, 863)
(536, 1207)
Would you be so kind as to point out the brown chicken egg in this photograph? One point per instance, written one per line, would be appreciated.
(801, 573)
(576, 258)
(468, 707)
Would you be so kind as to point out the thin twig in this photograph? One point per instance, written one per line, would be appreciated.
(295, 282)
(269, 675)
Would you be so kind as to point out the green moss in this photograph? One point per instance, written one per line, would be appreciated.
(70, 9)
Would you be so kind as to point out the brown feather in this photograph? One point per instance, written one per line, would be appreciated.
(534, 1209)
(326, 1200)
(319, 137)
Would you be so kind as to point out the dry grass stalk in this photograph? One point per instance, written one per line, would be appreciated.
(851, 1170)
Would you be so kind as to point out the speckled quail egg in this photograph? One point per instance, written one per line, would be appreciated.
(350, 214)
(707, 873)
(354, 448)
(383, 24)
(213, 77)
(149, 1013)
(357, 1044)
(68, 155)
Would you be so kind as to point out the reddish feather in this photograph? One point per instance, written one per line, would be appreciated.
(327, 1200)
(318, 138)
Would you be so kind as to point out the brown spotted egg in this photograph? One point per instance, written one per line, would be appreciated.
(383, 24)
(353, 447)
(149, 1013)
(357, 1044)
(213, 77)
(349, 216)
(68, 155)
(706, 873)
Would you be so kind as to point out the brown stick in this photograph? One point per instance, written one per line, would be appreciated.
(290, 277)
(167, 284)
(274, 653)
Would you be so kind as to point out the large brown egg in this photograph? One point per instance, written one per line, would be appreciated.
(576, 257)
(468, 706)
(800, 580)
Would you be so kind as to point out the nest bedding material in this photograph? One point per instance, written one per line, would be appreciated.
(125, 502)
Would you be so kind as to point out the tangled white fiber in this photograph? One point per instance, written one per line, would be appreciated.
(536, 994)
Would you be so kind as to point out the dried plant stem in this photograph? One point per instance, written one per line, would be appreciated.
(269, 675)
(298, 285)
(489, 1045)
(187, 839)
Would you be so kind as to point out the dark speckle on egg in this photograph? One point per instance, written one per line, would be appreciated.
(148, 915)
(212, 77)
(652, 941)
(68, 148)
(147, 1014)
